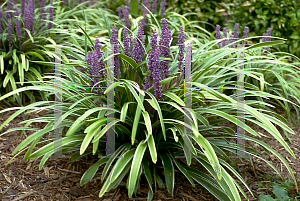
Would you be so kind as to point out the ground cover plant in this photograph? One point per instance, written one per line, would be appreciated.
(149, 114)
(144, 67)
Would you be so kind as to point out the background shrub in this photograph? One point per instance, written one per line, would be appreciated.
(282, 16)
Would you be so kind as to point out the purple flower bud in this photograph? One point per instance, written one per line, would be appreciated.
(120, 13)
(138, 50)
(23, 2)
(9, 32)
(163, 7)
(28, 16)
(154, 6)
(180, 57)
(164, 43)
(43, 13)
(224, 42)
(127, 3)
(126, 15)
(245, 35)
(146, 84)
(126, 43)
(266, 39)
(51, 16)
(9, 7)
(236, 32)
(218, 34)
(138, 4)
(18, 27)
(114, 43)
(144, 9)
(151, 58)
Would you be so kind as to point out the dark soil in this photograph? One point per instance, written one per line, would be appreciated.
(60, 178)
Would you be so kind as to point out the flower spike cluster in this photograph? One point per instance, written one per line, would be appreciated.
(138, 50)
(266, 39)
(126, 43)
(51, 17)
(115, 46)
(224, 42)
(163, 7)
(154, 6)
(18, 27)
(218, 34)
(164, 42)
(246, 30)
(152, 63)
(96, 66)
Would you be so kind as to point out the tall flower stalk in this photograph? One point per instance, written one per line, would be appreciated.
(115, 46)
(163, 7)
(245, 35)
(126, 43)
(9, 33)
(51, 15)
(151, 59)
(164, 42)
(18, 27)
(138, 50)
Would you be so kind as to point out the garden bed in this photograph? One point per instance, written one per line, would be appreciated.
(60, 178)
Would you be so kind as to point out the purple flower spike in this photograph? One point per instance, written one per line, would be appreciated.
(180, 57)
(138, 50)
(224, 42)
(126, 43)
(114, 43)
(126, 15)
(144, 9)
(43, 13)
(163, 7)
(146, 84)
(51, 17)
(127, 3)
(164, 43)
(246, 30)
(236, 32)
(10, 5)
(9, 32)
(218, 34)
(23, 2)
(266, 39)
(154, 6)
(120, 13)
(18, 27)
(156, 76)
(151, 59)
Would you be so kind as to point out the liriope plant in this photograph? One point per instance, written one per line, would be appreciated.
(149, 114)
(277, 77)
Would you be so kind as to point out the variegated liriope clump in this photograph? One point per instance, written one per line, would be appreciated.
(144, 103)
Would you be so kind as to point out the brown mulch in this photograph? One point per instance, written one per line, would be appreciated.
(59, 179)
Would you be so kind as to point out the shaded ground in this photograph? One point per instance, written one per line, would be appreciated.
(59, 179)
